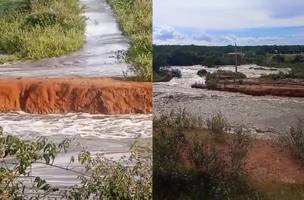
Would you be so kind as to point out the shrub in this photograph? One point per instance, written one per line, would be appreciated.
(217, 125)
(202, 72)
(196, 169)
(128, 179)
(211, 81)
(17, 157)
(293, 140)
(41, 28)
(135, 19)
(176, 73)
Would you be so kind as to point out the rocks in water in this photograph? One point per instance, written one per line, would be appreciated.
(199, 85)
(166, 75)
(202, 72)
(176, 73)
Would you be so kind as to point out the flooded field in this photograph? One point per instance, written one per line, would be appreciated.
(263, 115)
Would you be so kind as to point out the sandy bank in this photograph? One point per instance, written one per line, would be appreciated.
(62, 95)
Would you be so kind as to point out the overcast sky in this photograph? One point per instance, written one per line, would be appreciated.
(223, 22)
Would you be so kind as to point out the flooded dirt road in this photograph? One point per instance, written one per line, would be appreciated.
(98, 57)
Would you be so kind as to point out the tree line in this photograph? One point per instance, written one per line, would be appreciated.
(186, 55)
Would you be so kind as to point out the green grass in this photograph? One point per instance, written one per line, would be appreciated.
(36, 29)
(135, 20)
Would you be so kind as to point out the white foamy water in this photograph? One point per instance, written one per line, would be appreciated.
(266, 114)
(77, 124)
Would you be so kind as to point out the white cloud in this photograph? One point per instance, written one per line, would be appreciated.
(225, 14)
(170, 35)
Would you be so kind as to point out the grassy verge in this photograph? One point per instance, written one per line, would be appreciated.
(135, 19)
(35, 29)
(203, 160)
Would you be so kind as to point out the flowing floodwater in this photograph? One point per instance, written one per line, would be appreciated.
(264, 115)
(98, 57)
(109, 134)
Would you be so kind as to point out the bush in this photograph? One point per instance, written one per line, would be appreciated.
(293, 140)
(211, 81)
(217, 125)
(196, 169)
(202, 72)
(17, 157)
(135, 19)
(39, 29)
(127, 179)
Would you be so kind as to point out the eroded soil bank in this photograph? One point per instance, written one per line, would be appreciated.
(287, 90)
(63, 95)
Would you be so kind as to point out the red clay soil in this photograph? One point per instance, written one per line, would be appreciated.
(288, 90)
(63, 95)
(266, 162)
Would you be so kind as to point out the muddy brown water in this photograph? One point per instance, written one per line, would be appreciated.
(265, 116)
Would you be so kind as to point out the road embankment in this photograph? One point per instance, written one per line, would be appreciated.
(65, 95)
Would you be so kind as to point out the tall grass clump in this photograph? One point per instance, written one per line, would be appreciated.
(36, 29)
(293, 140)
(135, 19)
(217, 125)
(196, 168)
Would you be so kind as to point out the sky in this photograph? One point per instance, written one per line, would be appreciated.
(225, 22)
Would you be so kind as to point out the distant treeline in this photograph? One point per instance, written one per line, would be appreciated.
(184, 55)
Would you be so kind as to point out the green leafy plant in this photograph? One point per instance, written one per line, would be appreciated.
(130, 178)
(16, 159)
(135, 19)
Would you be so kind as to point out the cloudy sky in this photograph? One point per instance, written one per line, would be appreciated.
(224, 22)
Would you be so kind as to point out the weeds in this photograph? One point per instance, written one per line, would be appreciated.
(33, 29)
(217, 125)
(293, 140)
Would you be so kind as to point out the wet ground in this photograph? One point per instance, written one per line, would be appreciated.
(263, 115)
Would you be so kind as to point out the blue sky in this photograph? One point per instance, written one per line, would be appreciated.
(224, 22)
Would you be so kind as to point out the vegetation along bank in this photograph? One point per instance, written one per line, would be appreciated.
(36, 29)
(135, 20)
